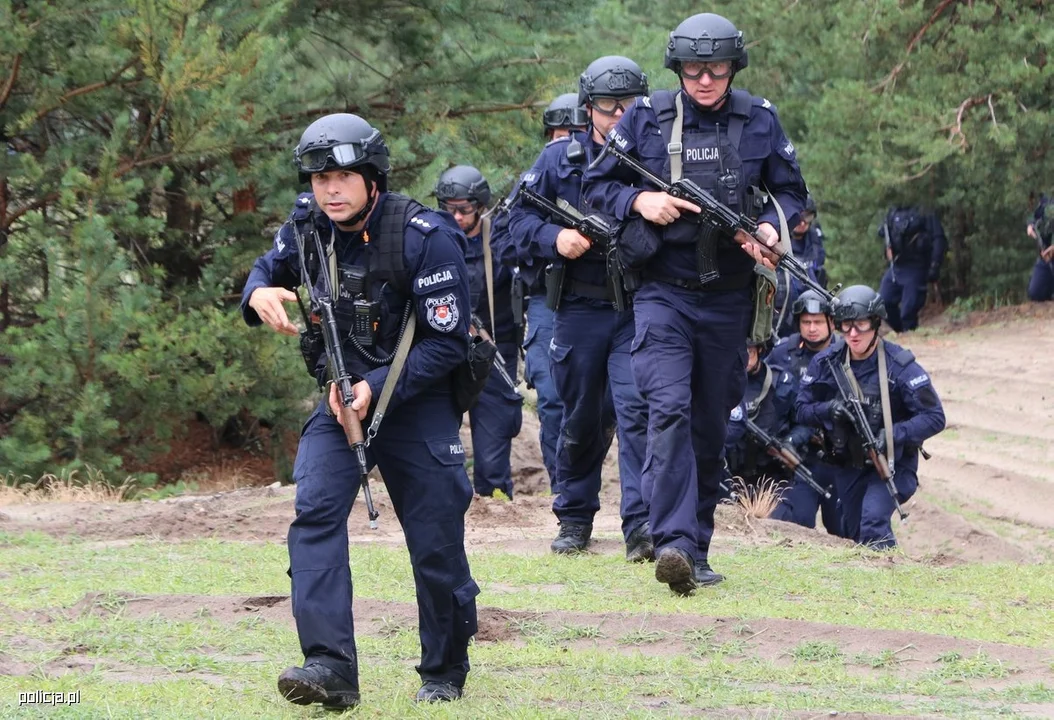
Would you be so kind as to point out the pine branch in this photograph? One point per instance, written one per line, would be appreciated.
(10, 84)
(938, 11)
(85, 89)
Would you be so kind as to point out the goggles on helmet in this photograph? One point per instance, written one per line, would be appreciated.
(566, 117)
(316, 160)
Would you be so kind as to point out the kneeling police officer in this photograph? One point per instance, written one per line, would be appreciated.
(391, 257)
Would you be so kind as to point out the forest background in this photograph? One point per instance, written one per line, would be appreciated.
(146, 160)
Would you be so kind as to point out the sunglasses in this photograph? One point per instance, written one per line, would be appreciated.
(313, 161)
(717, 70)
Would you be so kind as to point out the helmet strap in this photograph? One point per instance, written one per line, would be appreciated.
(717, 103)
(371, 200)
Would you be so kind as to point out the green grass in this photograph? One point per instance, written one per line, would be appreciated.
(566, 666)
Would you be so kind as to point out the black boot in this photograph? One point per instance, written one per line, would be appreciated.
(703, 575)
(572, 538)
(674, 567)
(639, 547)
(317, 683)
(434, 691)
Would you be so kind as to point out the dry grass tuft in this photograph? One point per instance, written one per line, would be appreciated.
(758, 499)
(69, 487)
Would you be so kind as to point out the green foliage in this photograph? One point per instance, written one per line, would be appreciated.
(147, 162)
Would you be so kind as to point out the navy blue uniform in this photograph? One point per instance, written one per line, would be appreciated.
(589, 354)
(809, 250)
(417, 449)
(1041, 283)
(917, 416)
(799, 501)
(536, 342)
(769, 408)
(918, 245)
(688, 352)
(497, 415)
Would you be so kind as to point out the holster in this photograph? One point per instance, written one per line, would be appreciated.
(554, 284)
(470, 377)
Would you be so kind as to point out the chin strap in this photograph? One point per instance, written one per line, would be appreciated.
(717, 103)
(371, 198)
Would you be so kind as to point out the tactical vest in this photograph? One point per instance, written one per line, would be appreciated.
(379, 276)
(710, 158)
(909, 235)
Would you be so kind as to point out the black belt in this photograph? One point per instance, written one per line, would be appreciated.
(587, 290)
(738, 281)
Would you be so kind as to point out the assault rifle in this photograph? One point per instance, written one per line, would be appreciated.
(599, 232)
(786, 457)
(889, 250)
(863, 430)
(323, 316)
(717, 220)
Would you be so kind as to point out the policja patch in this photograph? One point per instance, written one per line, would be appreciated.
(442, 313)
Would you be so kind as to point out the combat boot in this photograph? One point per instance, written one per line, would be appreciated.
(435, 691)
(317, 683)
(703, 575)
(572, 538)
(674, 567)
(639, 547)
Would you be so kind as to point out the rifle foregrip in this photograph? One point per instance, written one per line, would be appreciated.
(352, 426)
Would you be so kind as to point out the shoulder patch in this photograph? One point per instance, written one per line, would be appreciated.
(442, 312)
(417, 220)
(435, 278)
(737, 413)
(646, 101)
(917, 382)
(806, 379)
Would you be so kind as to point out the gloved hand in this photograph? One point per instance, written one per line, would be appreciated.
(838, 412)
(934, 273)
(880, 442)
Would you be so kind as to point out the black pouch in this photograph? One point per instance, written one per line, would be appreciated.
(470, 377)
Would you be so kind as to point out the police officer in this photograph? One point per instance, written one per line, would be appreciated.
(799, 502)
(498, 413)
(1041, 229)
(807, 244)
(913, 414)
(589, 352)
(563, 116)
(688, 352)
(417, 446)
(915, 247)
(767, 402)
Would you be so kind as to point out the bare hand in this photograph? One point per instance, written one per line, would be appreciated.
(267, 302)
(1048, 254)
(889, 254)
(361, 404)
(1031, 231)
(571, 243)
(768, 236)
(661, 208)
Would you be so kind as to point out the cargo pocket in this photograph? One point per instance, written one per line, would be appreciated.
(452, 492)
(466, 622)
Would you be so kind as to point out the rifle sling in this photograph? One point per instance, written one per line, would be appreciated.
(883, 391)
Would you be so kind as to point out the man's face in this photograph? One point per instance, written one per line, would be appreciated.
(561, 132)
(465, 211)
(605, 112)
(813, 327)
(340, 193)
(701, 84)
(858, 335)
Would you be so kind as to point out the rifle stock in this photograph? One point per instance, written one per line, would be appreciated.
(787, 457)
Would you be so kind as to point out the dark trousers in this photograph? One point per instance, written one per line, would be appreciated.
(867, 506)
(689, 358)
(903, 291)
(800, 502)
(421, 457)
(590, 364)
(1041, 284)
(536, 369)
(496, 418)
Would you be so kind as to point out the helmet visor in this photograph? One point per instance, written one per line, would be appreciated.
(316, 160)
(812, 306)
(565, 117)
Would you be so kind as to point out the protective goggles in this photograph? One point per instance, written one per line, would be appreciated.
(458, 209)
(862, 325)
(565, 117)
(610, 105)
(812, 306)
(718, 69)
(317, 160)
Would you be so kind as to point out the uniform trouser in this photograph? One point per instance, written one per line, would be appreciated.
(867, 506)
(536, 369)
(689, 359)
(800, 502)
(903, 291)
(421, 457)
(590, 363)
(1041, 284)
(496, 418)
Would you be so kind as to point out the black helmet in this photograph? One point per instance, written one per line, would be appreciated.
(858, 301)
(463, 181)
(810, 302)
(705, 38)
(565, 112)
(810, 204)
(341, 140)
(611, 76)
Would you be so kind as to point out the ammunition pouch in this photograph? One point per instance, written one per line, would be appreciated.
(763, 296)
